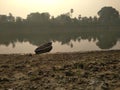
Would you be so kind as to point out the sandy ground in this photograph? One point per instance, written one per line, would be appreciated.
(97, 70)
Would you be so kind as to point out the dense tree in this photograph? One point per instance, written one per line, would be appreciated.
(95, 19)
(84, 20)
(33, 17)
(38, 17)
(79, 17)
(63, 19)
(3, 19)
(11, 18)
(108, 15)
(19, 19)
(45, 17)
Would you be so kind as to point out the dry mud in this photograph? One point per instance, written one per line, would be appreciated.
(97, 70)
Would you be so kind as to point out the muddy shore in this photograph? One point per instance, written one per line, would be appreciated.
(97, 70)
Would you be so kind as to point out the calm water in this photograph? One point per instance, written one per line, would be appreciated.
(26, 41)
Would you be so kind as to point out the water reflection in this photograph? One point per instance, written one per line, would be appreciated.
(83, 39)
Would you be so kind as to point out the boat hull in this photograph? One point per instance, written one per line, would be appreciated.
(44, 48)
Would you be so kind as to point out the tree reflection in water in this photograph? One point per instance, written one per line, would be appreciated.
(105, 38)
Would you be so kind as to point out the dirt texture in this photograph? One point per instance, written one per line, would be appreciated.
(96, 70)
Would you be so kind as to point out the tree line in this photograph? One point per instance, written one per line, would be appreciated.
(107, 16)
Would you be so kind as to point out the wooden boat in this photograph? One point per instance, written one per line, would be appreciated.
(47, 47)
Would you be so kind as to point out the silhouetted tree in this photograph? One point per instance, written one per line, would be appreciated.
(45, 17)
(11, 18)
(71, 11)
(95, 19)
(108, 15)
(90, 19)
(84, 20)
(38, 17)
(19, 19)
(34, 17)
(3, 19)
(63, 19)
(79, 17)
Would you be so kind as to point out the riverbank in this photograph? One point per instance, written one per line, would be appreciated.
(97, 70)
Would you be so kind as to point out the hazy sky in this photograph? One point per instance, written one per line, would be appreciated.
(55, 7)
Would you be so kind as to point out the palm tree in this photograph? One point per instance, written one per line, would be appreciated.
(71, 12)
